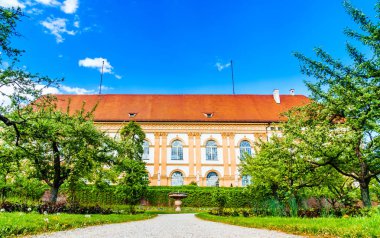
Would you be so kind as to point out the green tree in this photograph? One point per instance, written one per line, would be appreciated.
(59, 146)
(25, 86)
(341, 127)
(133, 182)
(132, 137)
(280, 172)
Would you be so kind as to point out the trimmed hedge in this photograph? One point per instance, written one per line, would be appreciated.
(198, 196)
(158, 196)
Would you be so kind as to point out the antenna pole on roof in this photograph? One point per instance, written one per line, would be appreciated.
(232, 76)
(101, 79)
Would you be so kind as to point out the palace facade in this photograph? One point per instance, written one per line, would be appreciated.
(192, 138)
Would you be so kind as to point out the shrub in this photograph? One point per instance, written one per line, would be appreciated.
(220, 198)
(73, 209)
(16, 207)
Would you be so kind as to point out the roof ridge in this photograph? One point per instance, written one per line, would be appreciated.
(127, 94)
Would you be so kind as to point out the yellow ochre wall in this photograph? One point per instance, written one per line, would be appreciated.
(194, 136)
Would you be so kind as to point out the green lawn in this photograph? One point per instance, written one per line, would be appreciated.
(322, 227)
(19, 223)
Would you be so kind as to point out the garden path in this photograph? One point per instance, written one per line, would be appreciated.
(170, 225)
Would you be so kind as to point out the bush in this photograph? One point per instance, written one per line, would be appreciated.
(51, 208)
(220, 198)
(233, 212)
(72, 209)
(16, 207)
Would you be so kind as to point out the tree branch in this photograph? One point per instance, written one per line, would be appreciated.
(8, 122)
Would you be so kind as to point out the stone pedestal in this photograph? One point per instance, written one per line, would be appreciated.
(177, 197)
(177, 204)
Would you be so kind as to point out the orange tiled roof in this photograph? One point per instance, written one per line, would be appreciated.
(185, 108)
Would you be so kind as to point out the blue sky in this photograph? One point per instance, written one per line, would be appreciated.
(179, 46)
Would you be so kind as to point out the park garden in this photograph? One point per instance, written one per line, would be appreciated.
(320, 177)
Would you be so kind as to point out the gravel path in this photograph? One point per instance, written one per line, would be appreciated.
(171, 225)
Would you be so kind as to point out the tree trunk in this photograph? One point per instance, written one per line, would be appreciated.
(53, 194)
(364, 190)
(57, 174)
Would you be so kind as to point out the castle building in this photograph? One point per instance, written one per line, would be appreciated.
(192, 138)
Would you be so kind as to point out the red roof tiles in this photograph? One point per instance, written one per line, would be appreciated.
(185, 108)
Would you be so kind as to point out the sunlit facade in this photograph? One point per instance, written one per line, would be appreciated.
(193, 138)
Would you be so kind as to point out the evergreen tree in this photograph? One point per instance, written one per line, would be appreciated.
(341, 127)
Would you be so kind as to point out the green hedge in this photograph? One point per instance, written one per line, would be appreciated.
(158, 196)
(198, 196)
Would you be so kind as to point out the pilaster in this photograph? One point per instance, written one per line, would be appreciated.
(232, 157)
(191, 155)
(164, 140)
(225, 159)
(198, 156)
(156, 158)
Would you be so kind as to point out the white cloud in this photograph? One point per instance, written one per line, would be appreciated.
(34, 11)
(49, 2)
(47, 90)
(96, 63)
(57, 27)
(8, 90)
(221, 66)
(70, 6)
(76, 24)
(118, 76)
(105, 88)
(76, 90)
(11, 3)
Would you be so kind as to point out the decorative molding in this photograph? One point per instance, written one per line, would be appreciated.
(228, 134)
(195, 128)
(261, 136)
(174, 139)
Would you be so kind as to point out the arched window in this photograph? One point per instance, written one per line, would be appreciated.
(145, 155)
(177, 150)
(245, 148)
(211, 150)
(246, 180)
(177, 179)
(212, 179)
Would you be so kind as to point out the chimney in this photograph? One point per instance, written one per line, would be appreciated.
(276, 95)
(292, 91)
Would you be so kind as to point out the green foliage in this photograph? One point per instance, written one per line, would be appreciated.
(220, 198)
(158, 196)
(134, 181)
(58, 146)
(345, 114)
(8, 22)
(27, 86)
(201, 196)
(193, 183)
(132, 138)
(280, 172)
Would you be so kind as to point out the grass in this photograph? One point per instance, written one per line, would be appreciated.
(321, 227)
(18, 223)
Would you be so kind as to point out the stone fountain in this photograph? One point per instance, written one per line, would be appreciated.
(177, 196)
